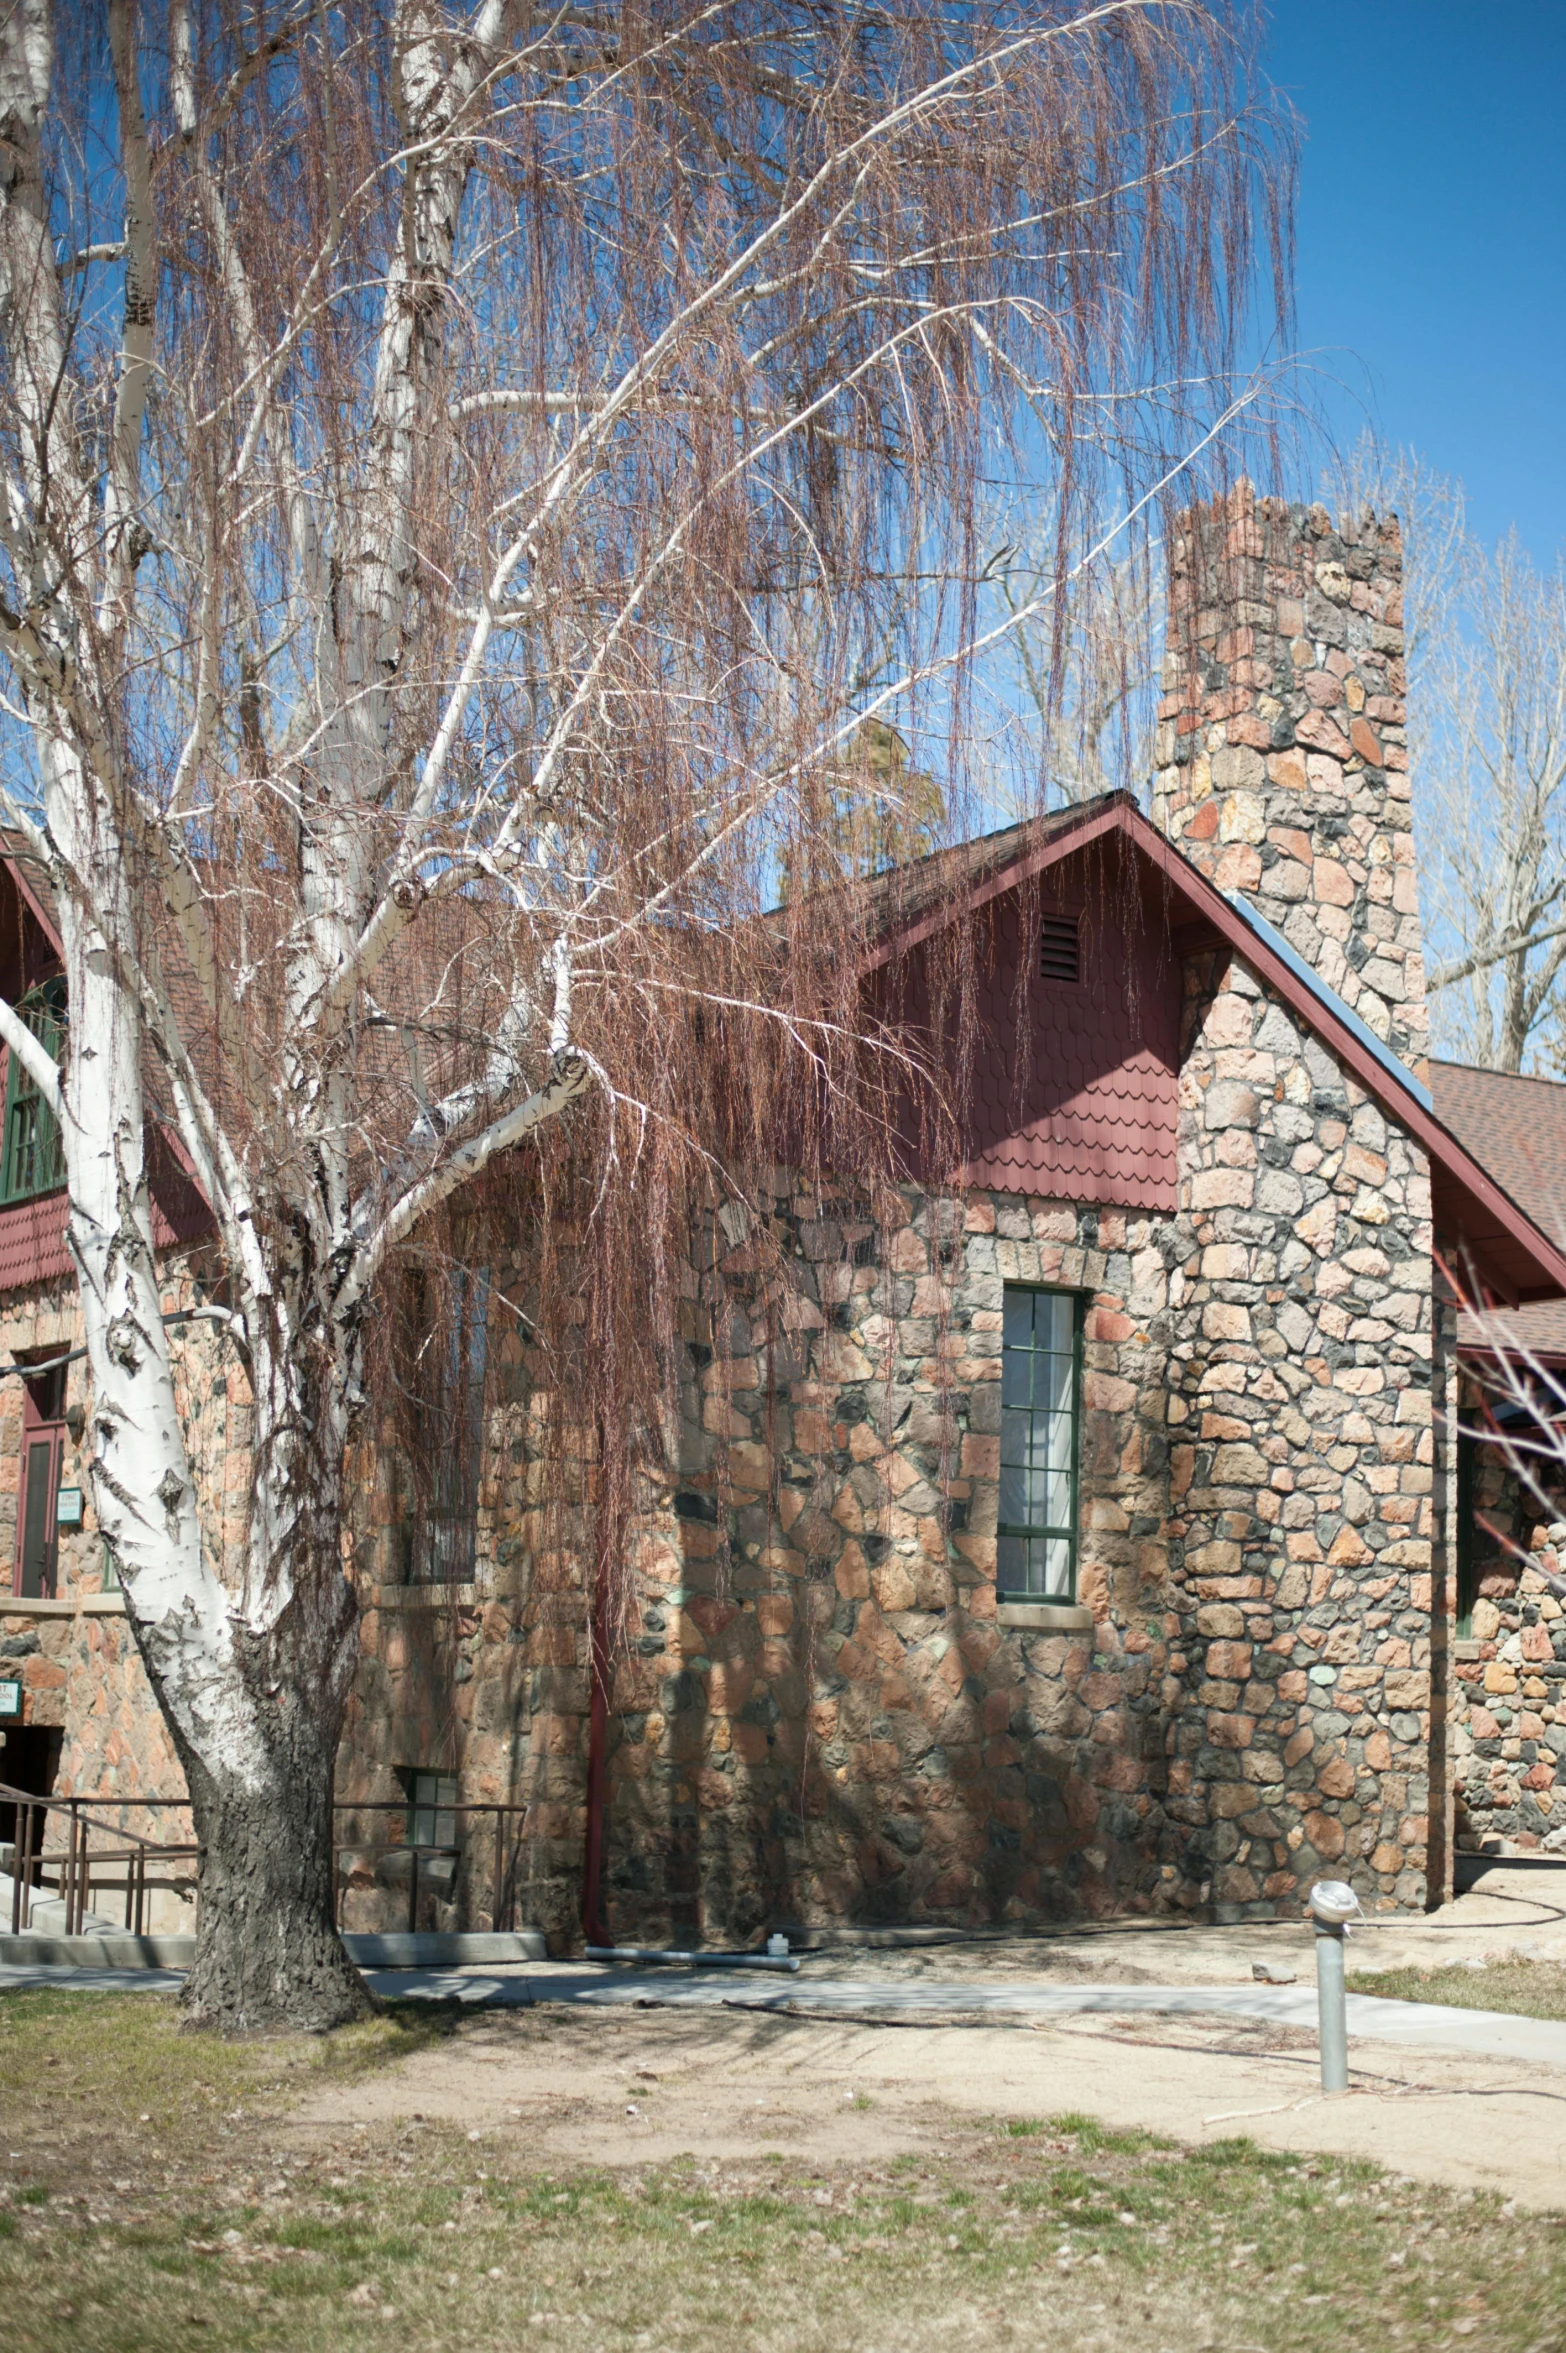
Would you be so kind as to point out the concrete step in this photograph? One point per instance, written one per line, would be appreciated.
(47, 1914)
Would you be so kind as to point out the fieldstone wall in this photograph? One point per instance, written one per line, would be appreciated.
(1303, 1461)
(1282, 753)
(486, 1681)
(1508, 1734)
(823, 1715)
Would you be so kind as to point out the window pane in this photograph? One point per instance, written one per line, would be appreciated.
(1035, 1568)
(1053, 1321)
(1052, 1381)
(1053, 1441)
(1036, 1520)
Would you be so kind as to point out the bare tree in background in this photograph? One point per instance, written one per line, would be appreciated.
(461, 468)
(1486, 639)
(1084, 670)
(1493, 779)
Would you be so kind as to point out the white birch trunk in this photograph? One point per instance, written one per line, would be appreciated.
(252, 1685)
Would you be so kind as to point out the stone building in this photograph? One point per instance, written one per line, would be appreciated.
(1083, 1538)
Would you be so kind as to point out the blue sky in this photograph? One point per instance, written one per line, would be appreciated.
(1432, 236)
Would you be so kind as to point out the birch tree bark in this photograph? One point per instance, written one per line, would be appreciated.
(460, 477)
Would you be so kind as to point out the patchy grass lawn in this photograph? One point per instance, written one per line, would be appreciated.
(1530, 1989)
(152, 2199)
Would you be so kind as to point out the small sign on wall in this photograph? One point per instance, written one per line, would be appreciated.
(10, 1702)
(68, 1507)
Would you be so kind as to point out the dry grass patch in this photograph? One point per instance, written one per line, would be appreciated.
(1528, 1989)
(154, 2200)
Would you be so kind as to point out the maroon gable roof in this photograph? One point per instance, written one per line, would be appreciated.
(1517, 1127)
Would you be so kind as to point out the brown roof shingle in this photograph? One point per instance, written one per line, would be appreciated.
(1515, 1126)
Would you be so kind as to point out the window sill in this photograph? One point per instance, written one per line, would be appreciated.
(68, 1605)
(1045, 1617)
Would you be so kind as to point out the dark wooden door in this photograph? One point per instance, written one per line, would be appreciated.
(43, 1441)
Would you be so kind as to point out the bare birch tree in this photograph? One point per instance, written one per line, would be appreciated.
(1492, 683)
(1086, 676)
(1486, 653)
(460, 468)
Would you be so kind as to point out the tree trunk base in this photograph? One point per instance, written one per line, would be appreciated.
(269, 1959)
(236, 1992)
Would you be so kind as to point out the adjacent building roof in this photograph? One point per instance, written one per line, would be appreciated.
(1517, 1127)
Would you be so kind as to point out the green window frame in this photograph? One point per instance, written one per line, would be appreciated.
(1040, 1451)
(32, 1160)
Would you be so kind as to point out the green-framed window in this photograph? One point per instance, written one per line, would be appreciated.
(32, 1159)
(1041, 1411)
(433, 1799)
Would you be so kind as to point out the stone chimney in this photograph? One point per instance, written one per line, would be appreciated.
(1282, 760)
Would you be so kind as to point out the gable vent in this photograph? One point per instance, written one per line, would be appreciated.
(1060, 948)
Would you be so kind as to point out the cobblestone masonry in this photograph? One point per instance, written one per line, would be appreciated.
(1509, 1673)
(1303, 1462)
(1282, 754)
(823, 1717)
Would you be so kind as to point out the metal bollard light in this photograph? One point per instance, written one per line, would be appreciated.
(1333, 1904)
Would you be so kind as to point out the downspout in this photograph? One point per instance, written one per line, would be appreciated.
(597, 1758)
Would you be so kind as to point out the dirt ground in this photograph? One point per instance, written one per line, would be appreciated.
(617, 2088)
(1519, 1910)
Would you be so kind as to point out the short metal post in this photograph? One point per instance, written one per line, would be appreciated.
(1333, 2007)
(1332, 1905)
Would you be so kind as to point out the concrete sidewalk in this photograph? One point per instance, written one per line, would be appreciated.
(1490, 2034)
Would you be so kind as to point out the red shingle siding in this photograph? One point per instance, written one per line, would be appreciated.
(32, 1233)
(1070, 1090)
(1092, 1114)
(32, 1240)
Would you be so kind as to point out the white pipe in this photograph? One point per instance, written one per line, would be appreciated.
(656, 1953)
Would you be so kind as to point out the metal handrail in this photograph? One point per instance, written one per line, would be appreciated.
(459, 1810)
(74, 1861)
(144, 1859)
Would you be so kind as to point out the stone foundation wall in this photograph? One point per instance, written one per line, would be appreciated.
(821, 1713)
